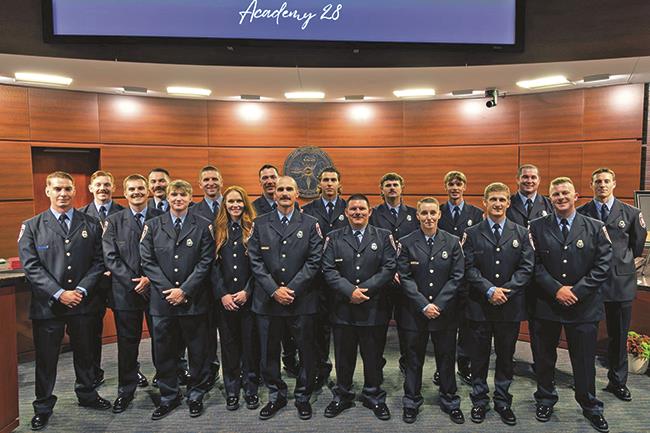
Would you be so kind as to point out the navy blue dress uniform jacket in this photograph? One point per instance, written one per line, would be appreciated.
(327, 222)
(517, 211)
(430, 276)
(203, 210)
(583, 261)
(232, 265)
(53, 260)
(510, 264)
(171, 263)
(91, 209)
(469, 216)
(370, 265)
(285, 256)
(121, 245)
(627, 232)
(405, 224)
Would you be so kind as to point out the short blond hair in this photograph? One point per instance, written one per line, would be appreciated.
(132, 177)
(496, 187)
(427, 200)
(559, 181)
(59, 175)
(100, 173)
(603, 170)
(455, 175)
(179, 185)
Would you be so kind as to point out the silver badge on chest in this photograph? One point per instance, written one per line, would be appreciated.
(445, 254)
(189, 242)
(580, 243)
(84, 234)
(408, 218)
(299, 234)
(341, 217)
(373, 246)
(544, 213)
(469, 223)
(515, 243)
(621, 224)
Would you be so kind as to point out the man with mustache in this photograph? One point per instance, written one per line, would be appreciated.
(129, 296)
(627, 230)
(456, 215)
(285, 251)
(61, 253)
(268, 177)
(102, 187)
(329, 209)
(158, 180)
(572, 255)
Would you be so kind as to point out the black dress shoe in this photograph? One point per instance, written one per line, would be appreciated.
(336, 407)
(196, 408)
(456, 415)
(478, 414)
(142, 380)
(436, 378)
(98, 403)
(598, 422)
(621, 392)
(507, 415)
(165, 409)
(409, 415)
(232, 403)
(40, 420)
(183, 377)
(543, 413)
(121, 403)
(380, 410)
(252, 401)
(465, 375)
(99, 380)
(304, 409)
(272, 408)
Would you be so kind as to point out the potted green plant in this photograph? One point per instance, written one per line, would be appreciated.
(638, 352)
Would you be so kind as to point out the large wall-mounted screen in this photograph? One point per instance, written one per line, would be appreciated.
(483, 22)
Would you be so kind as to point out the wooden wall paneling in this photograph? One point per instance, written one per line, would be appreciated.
(538, 156)
(13, 214)
(62, 115)
(257, 124)
(14, 113)
(624, 157)
(16, 163)
(466, 121)
(141, 120)
(553, 116)
(356, 124)
(566, 160)
(613, 112)
(182, 163)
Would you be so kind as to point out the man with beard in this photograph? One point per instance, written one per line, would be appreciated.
(573, 255)
(178, 251)
(129, 296)
(455, 216)
(359, 264)
(285, 251)
(158, 180)
(329, 209)
(61, 252)
(268, 176)
(102, 186)
(627, 230)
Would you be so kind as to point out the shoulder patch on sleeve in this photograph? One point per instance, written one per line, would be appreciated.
(318, 231)
(530, 238)
(327, 241)
(641, 220)
(104, 227)
(22, 231)
(463, 239)
(606, 234)
(145, 230)
(392, 241)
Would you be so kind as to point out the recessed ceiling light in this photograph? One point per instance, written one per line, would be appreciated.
(4, 79)
(304, 95)
(596, 77)
(135, 89)
(538, 83)
(414, 93)
(32, 77)
(355, 98)
(188, 91)
(467, 92)
(250, 97)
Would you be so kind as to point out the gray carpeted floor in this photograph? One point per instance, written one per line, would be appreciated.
(69, 417)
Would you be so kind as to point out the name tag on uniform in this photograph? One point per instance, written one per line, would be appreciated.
(265, 248)
(42, 247)
(415, 263)
(338, 260)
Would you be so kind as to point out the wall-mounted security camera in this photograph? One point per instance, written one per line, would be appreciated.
(493, 94)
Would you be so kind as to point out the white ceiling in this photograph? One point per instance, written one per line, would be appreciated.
(376, 83)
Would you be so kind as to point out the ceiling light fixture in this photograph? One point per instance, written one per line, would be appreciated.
(304, 95)
(354, 97)
(414, 93)
(467, 92)
(32, 77)
(188, 91)
(135, 89)
(250, 97)
(544, 82)
(596, 77)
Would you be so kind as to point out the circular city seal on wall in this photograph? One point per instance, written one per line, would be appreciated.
(304, 165)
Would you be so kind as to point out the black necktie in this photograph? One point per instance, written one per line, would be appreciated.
(394, 213)
(604, 213)
(456, 215)
(565, 227)
(215, 207)
(529, 207)
(497, 233)
(177, 227)
(330, 208)
(430, 243)
(62, 220)
(358, 236)
(102, 213)
(138, 219)
(161, 205)
(284, 221)
(274, 206)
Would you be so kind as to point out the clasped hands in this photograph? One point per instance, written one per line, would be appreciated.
(499, 296)
(232, 302)
(565, 296)
(175, 296)
(284, 295)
